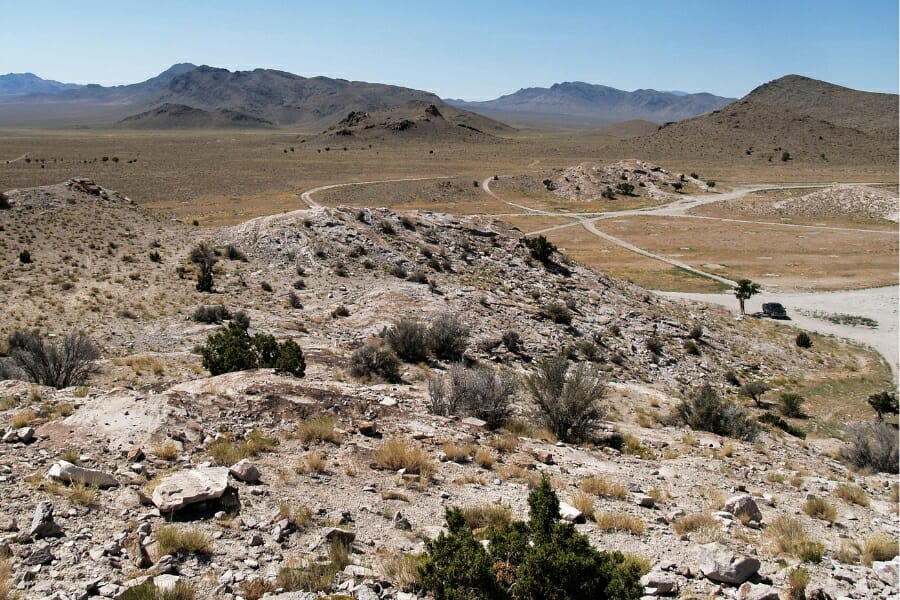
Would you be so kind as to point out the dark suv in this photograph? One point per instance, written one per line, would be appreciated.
(774, 310)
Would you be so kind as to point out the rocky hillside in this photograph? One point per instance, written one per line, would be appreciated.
(237, 484)
(417, 120)
(179, 116)
(792, 119)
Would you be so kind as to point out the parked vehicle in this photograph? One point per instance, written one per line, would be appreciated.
(774, 310)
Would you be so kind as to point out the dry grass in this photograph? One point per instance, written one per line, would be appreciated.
(693, 522)
(789, 536)
(391, 495)
(484, 459)
(173, 540)
(485, 516)
(318, 429)
(504, 443)
(82, 494)
(400, 568)
(820, 509)
(879, 547)
(512, 472)
(298, 515)
(585, 503)
(142, 364)
(166, 450)
(313, 462)
(602, 487)
(458, 454)
(70, 455)
(23, 418)
(797, 581)
(6, 584)
(254, 589)
(618, 521)
(225, 451)
(395, 454)
(852, 494)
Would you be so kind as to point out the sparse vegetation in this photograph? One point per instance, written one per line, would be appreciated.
(567, 401)
(409, 339)
(791, 404)
(377, 360)
(174, 540)
(820, 509)
(852, 494)
(744, 290)
(65, 363)
(483, 392)
(884, 403)
(232, 349)
(447, 337)
(873, 446)
(803, 340)
(704, 409)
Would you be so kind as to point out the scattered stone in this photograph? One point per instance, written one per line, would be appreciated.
(474, 423)
(336, 533)
(720, 564)
(367, 428)
(43, 525)
(40, 556)
(748, 591)
(245, 471)
(400, 522)
(69, 473)
(644, 500)
(25, 434)
(166, 583)
(189, 487)
(659, 584)
(744, 508)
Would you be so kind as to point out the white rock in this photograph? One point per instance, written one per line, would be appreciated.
(189, 487)
(569, 513)
(887, 571)
(744, 507)
(69, 473)
(718, 563)
(245, 471)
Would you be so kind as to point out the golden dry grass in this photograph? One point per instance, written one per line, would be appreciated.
(879, 547)
(486, 516)
(395, 454)
(596, 485)
(457, 453)
(484, 458)
(852, 494)
(618, 521)
(318, 429)
(173, 540)
(694, 522)
(819, 508)
(299, 515)
(789, 536)
(313, 462)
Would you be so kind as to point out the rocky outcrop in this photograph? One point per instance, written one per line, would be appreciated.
(190, 487)
(68, 473)
(719, 563)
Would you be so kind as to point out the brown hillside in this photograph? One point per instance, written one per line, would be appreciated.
(812, 121)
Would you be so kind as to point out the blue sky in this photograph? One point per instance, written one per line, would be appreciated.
(465, 49)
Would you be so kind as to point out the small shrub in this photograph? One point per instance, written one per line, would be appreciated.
(541, 248)
(298, 515)
(770, 419)
(340, 311)
(558, 313)
(803, 340)
(873, 446)
(791, 405)
(820, 509)
(407, 223)
(266, 286)
(375, 359)
(484, 516)
(790, 537)
(4, 201)
(25, 257)
(418, 277)
(232, 349)
(705, 410)
(293, 301)
(511, 340)
(884, 402)
(567, 403)
(754, 390)
(233, 253)
(797, 581)
(173, 540)
(448, 337)
(313, 462)
(155, 256)
(484, 459)
(211, 314)
(481, 392)
(732, 378)
(852, 494)
(409, 339)
(65, 363)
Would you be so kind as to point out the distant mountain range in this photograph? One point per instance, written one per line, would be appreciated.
(793, 118)
(190, 96)
(21, 84)
(589, 104)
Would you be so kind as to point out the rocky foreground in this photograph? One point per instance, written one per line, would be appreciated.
(241, 484)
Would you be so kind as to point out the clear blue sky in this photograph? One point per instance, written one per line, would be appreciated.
(465, 49)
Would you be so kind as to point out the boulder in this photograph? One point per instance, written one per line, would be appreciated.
(720, 564)
(39, 556)
(343, 535)
(744, 507)
(245, 471)
(474, 423)
(887, 571)
(189, 487)
(656, 583)
(43, 525)
(569, 513)
(69, 473)
(748, 591)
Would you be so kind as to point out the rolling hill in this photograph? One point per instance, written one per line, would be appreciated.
(791, 119)
(573, 103)
(21, 84)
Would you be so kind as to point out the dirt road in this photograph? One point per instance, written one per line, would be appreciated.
(879, 304)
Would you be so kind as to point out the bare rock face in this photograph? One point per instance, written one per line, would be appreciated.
(720, 564)
(245, 471)
(744, 507)
(67, 472)
(887, 571)
(189, 487)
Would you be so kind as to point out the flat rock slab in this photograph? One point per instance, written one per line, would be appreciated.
(718, 563)
(189, 487)
(69, 473)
